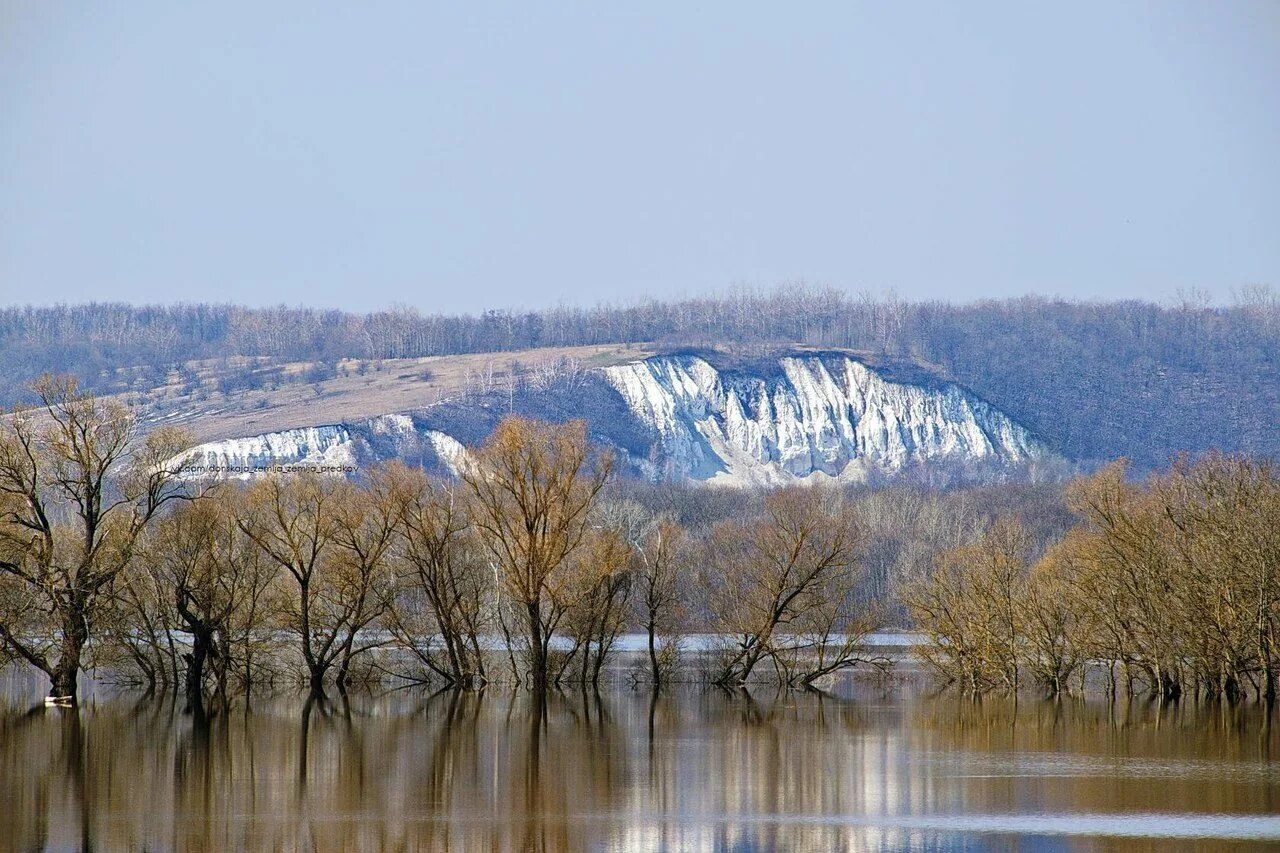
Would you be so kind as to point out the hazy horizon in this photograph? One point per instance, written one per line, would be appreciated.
(461, 159)
(1200, 297)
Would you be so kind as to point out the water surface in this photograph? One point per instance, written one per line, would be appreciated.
(871, 766)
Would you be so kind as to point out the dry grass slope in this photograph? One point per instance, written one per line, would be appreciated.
(359, 389)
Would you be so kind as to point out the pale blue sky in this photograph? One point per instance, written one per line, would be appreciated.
(463, 156)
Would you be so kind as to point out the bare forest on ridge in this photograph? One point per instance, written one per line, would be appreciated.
(1097, 380)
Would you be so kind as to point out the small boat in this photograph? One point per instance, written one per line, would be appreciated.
(59, 701)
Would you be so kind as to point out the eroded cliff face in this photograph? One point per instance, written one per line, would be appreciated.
(242, 458)
(329, 449)
(818, 415)
(821, 415)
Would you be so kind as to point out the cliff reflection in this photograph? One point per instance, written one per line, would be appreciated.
(625, 770)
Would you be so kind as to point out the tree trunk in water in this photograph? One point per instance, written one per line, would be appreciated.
(537, 651)
(511, 651)
(1268, 667)
(599, 664)
(222, 660)
(63, 678)
(65, 672)
(475, 671)
(195, 671)
(344, 670)
(173, 660)
(453, 647)
(653, 657)
(317, 680)
(749, 664)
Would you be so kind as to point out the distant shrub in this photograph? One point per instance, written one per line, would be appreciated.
(320, 371)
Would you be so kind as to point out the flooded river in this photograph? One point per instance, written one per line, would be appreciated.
(871, 766)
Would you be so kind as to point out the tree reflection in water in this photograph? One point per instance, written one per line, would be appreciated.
(684, 768)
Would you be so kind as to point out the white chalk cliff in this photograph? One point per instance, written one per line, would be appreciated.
(332, 448)
(830, 416)
(805, 415)
(242, 458)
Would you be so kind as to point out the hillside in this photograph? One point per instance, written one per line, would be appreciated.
(706, 416)
(1094, 380)
(355, 389)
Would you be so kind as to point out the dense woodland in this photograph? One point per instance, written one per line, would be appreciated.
(1097, 380)
(530, 566)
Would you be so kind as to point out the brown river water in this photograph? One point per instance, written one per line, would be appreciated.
(870, 766)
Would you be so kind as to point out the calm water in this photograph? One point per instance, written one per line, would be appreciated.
(873, 767)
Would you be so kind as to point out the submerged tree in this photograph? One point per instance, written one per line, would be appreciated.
(1225, 512)
(137, 632)
(181, 573)
(969, 607)
(443, 590)
(77, 489)
(368, 523)
(660, 555)
(533, 486)
(1131, 564)
(1170, 583)
(213, 579)
(774, 579)
(331, 540)
(597, 587)
(1055, 630)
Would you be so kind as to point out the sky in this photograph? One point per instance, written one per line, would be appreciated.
(463, 156)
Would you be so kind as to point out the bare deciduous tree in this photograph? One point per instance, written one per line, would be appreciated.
(1172, 581)
(661, 551)
(444, 590)
(969, 606)
(1055, 629)
(532, 488)
(77, 489)
(366, 530)
(772, 576)
(596, 586)
(322, 534)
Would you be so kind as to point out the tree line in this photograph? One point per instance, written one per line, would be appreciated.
(1098, 380)
(1166, 586)
(522, 569)
(531, 565)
